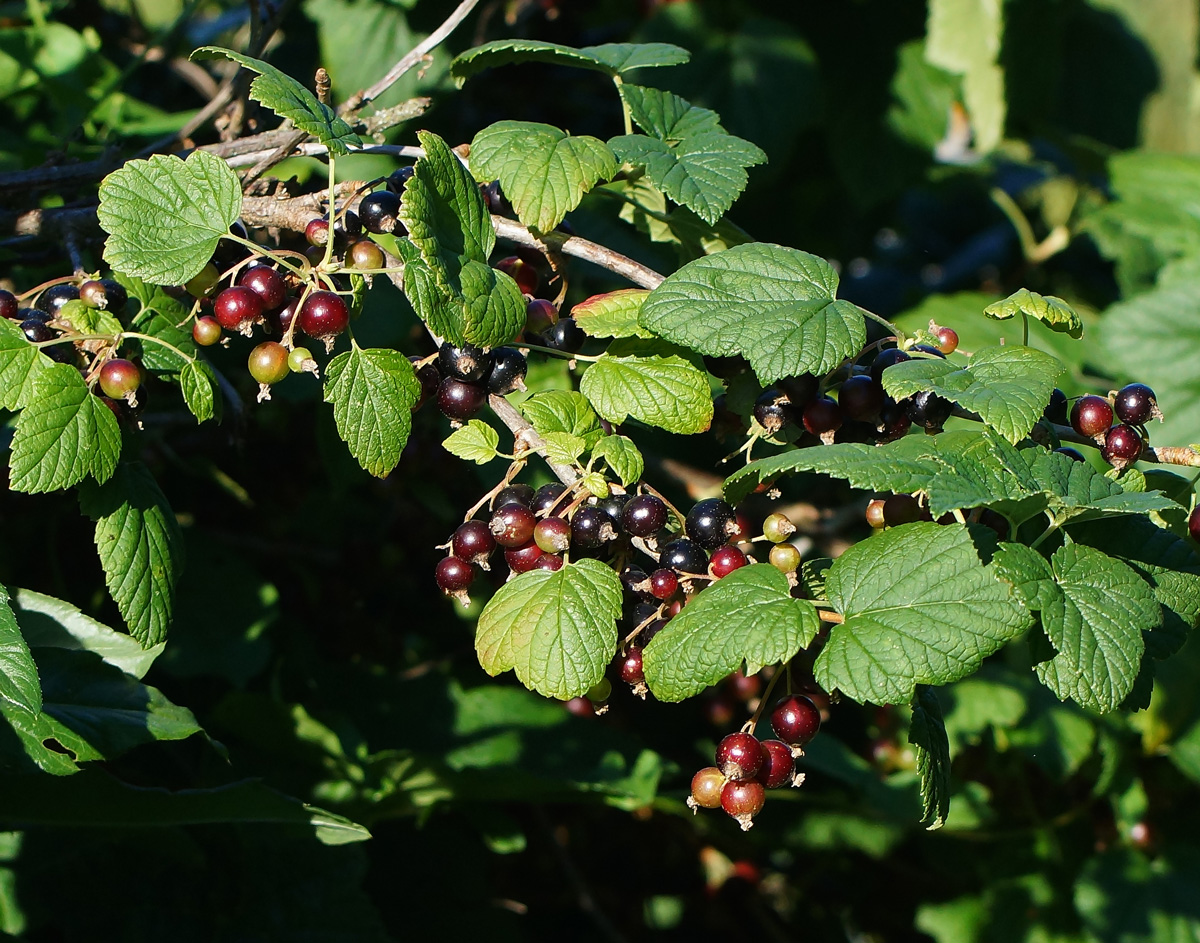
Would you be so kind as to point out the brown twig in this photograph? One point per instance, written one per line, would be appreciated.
(512, 231)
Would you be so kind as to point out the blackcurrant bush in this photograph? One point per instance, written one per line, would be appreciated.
(928, 410)
(726, 559)
(323, 315)
(454, 576)
(1136, 405)
(663, 583)
(772, 410)
(37, 331)
(784, 557)
(512, 525)
(710, 523)
(778, 764)
(795, 719)
(947, 339)
(565, 335)
(460, 400)
(54, 297)
(739, 756)
(237, 306)
(9, 306)
(644, 516)
(379, 211)
(631, 666)
(1091, 415)
(473, 542)
(800, 390)
(591, 527)
(508, 371)
(120, 377)
(267, 283)
(523, 559)
(1056, 409)
(552, 534)
(885, 359)
(822, 416)
(540, 316)
(546, 497)
(685, 556)
(521, 272)
(861, 398)
(268, 362)
(365, 255)
(519, 493)
(1122, 446)
(706, 789)
(901, 509)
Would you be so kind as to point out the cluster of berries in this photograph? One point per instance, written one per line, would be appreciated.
(1121, 445)
(746, 767)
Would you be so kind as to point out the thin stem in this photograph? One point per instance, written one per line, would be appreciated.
(266, 253)
(1050, 529)
(749, 726)
(828, 615)
(625, 112)
(550, 350)
(1024, 329)
(899, 334)
(1020, 223)
(331, 213)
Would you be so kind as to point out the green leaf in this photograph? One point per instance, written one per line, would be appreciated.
(689, 156)
(47, 622)
(594, 482)
(20, 364)
(667, 392)
(920, 608)
(562, 411)
(622, 456)
(164, 215)
(1125, 896)
(196, 381)
(543, 171)
(1007, 386)
(1078, 493)
(474, 442)
(493, 308)
(748, 616)
(773, 305)
(158, 317)
(558, 631)
(85, 320)
(289, 99)
(964, 38)
(1055, 313)
(613, 314)
(927, 734)
(19, 685)
(610, 58)
(140, 548)
(444, 212)
(373, 392)
(1094, 609)
(63, 434)
(562, 448)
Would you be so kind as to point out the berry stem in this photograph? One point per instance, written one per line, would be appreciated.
(513, 470)
(115, 339)
(625, 113)
(332, 210)
(1050, 529)
(557, 353)
(261, 253)
(748, 726)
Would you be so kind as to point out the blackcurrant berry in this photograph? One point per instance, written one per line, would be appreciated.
(565, 335)
(893, 421)
(323, 315)
(591, 527)
(552, 534)
(454, 576)
(706, 789)
(644, 516)
(795, 719)
(519, 493)
(1056, 409)
(929, 349)
(548, 561)
(743, 801)
(523, 559)
(739, 756)
(685, 556)
(901, 509)
(9, 306)
(631, 666)
(1194, 523)
(347, 226)
(281, 318)
(379, 211)
(540, 316)
(92, 294)
(726, 559)
(460, 400)
(201, 284)
(885, 359)
(778, 764)
(267, 283)
(521, 272)
(473, 542)
(710, 523)
(613, 505)
(34, 314)
(822, 416)
(512, 525)
(663, 583)
(365, 255)
(317, 232)
(928, 410)
(947, 339)
(777, 528)
(632, 577)
(398, 178)
(54, 297)
(119, 377)
(580, 707)
(875, 516)
(1136, 405)
(861, 398)
(268, 362)
(37, 331)
(784, 557)
(429, 378)
(547, 497)
(237, 306)
(1091, 415)
(1122, 446)
(300, 360)
(1073, 454)
(800, 390)
(463, 363)
(508, 371)
(772, 410)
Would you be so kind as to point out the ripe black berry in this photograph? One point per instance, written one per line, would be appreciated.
(398, 178)
(778, 764)
(800, 389)
(347, 226)
(454, 576)
(631, 666)
(523, 559)
(772, 410)
(508, 371)
(512, 525)
(546, 497)
(928, 410)
(901, 509)
(613, 506)
(379, 211)
(1056, 409)
(54, 297)
(663, 583)
(1194, 523)
(822, 416)
(743, 801)
(710, 523)
(323, 315)
(727, 559)
(267, 282)
(861, 398)
(1122, 446)
(464, 363)
(685, 556)
(37, 331)
(591, 527)
(566, 336)
(8, 305)
(237, 306)
(706, 788)
(1091, 415)
(795, 719)
(1136, 405)
(885, 359)
(893, 421)
(644, 516)
(520, 493)
(1073, 454)
(429, 378)
(739, 756)
(473, 542)
(459, 400)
